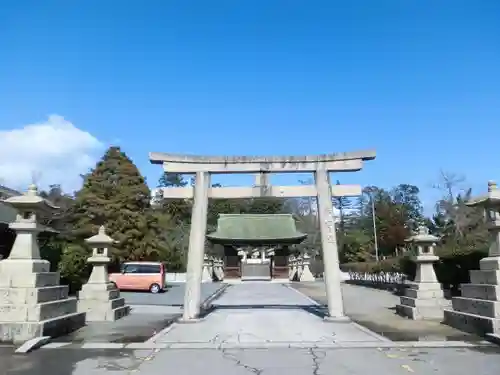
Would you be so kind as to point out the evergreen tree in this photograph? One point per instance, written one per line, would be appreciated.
(115, 194)
(178, 209)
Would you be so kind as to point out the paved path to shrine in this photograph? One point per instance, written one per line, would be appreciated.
(264, 329)
(261, 315)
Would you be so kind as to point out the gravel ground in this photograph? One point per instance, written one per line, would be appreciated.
(375, 309)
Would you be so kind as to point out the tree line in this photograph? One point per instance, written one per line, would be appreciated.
(116, 195)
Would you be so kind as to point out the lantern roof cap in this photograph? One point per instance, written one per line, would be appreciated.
(31, 198)
(423, 236)
(100, 238)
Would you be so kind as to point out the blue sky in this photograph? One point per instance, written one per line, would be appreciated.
(419, 81)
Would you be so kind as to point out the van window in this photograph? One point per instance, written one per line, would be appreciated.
(131, 268)
(149, 268)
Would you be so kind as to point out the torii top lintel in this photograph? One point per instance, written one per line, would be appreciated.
(181, 163)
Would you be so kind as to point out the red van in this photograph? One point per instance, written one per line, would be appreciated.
(140, 276)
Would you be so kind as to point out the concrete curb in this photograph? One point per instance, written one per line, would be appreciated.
(33, 344)
(289, 286)
(493, 338)
(271, 345)
(206, 305)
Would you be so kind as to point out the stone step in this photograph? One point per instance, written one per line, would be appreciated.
(32, 280)
(485, 277)
(110, 311)
(424, 294)
(98, 295)
(421, 312)
(18, 332)
(117, 302)
(120, 312)
(471, 323)
(24, 266)
(476, 306)
(433, 302)
(38, 312)
(481, 291)
(86, 305)
(32, 296)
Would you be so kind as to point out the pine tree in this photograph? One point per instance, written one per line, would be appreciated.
(114, 194)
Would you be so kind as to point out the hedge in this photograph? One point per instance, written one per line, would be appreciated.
(452, 269)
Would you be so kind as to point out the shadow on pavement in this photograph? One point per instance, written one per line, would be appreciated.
(317, 310)
(138, 328)
(70, 361)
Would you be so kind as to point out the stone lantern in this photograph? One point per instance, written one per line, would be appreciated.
(205, 274)
(425, 258)
(99, 298)
(99, 260)
(32, 303)
(306, 274)
(477, 309)
(424, 299)
(491, 204)
(30, 206)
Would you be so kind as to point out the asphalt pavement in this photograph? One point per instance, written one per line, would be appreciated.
(150, 313)
(174, 296)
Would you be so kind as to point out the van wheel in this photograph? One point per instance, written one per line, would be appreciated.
(155, 288)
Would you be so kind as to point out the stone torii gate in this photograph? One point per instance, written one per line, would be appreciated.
(203, 166)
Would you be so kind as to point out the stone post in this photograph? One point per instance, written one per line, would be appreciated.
(478, 309)
(211, 268)
(32, 303)
(425, 298)
(192, 296)
(300, 266)
(217, 269)
(99, 298)
(306, 274)
(206, 276)
(293, 268)
(329, 246)
(221, 269)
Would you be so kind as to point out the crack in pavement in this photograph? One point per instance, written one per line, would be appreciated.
(317, 357)
(239, 363)
(136, 361)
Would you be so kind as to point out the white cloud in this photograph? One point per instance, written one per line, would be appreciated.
(51, 152)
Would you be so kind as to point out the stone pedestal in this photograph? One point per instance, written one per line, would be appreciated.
(478, 309)
(99, 298)
(306, 274)
(256, 270)
(425, 298)
(32, 303)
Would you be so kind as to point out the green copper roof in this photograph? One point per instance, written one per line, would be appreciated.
(258, 228)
